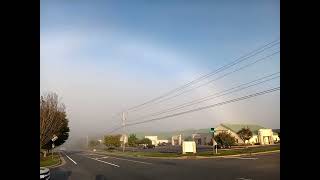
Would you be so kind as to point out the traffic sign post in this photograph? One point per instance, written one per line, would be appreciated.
(53, 139)
(52, 150)
(213, 141)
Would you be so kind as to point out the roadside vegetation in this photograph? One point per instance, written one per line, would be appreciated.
(49, 160)
(53, 123)
(221, 152)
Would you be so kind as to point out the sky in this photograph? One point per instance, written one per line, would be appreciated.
(102, 57)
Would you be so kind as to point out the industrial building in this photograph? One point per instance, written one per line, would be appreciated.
(202, 138)
(155, 141)
(176, 140)
(260, 134)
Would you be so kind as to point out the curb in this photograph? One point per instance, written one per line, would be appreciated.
(193, 157)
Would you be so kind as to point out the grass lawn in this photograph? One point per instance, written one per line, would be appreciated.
(221, 152)
(49, 161)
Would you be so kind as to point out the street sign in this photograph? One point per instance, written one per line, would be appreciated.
(54, 138)
(212, 130)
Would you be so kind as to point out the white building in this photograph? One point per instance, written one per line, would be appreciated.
(176, 140)
(260, 134)
(155, 141)
(124, 138)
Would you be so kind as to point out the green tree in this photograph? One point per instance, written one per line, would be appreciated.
(225, 139)
(112, 140)
(132, 140)
(145, 141)
(245, 134)
(93, 143)
(53, 121)
(63, 135)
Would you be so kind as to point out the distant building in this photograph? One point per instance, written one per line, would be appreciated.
(260, 134)
(155, 141)
(202, 138)
(124, 138)
(176, 140)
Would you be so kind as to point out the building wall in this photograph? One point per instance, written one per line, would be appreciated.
(176, 138)
(205, 138)
(276, 138)
(154, 139)
(265, 135)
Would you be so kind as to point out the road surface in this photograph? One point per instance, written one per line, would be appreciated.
(82, 165)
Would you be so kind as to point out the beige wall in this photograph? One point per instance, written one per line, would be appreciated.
(154, 139)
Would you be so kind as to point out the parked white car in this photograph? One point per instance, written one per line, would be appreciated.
(44, 173)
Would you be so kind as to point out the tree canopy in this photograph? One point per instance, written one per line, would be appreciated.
(132, 140)
(225, 139)
(112, 140)
(145, 141)
(245, 134)
(53, 120)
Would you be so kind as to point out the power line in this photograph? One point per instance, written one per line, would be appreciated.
(205, 107)
(220, 77)
(238, 60)
(216, 95)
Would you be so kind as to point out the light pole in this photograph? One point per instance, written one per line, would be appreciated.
(123, 129)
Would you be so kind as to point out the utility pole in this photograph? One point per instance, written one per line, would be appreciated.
(123, 129)
(87, 142)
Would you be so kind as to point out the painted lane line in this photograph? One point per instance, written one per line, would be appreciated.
(103, 157)
(104, 162)
(71, 159)
(95, 155)
(123, 159)
(130, 160)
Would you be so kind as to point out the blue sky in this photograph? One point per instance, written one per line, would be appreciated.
(135, 50)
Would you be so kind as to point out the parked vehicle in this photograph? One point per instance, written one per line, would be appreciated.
(44, 173)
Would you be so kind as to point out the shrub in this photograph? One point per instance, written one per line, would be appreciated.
(224, 139)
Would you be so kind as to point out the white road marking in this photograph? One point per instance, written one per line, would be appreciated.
(71, 159)
(104, 162)
(130, 160)
(121, 159)
(103, 157)
(244, 179)
(95, 155)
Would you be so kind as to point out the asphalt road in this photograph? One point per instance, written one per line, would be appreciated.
(82, 165)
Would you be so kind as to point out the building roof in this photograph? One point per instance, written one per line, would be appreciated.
(237, 127)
